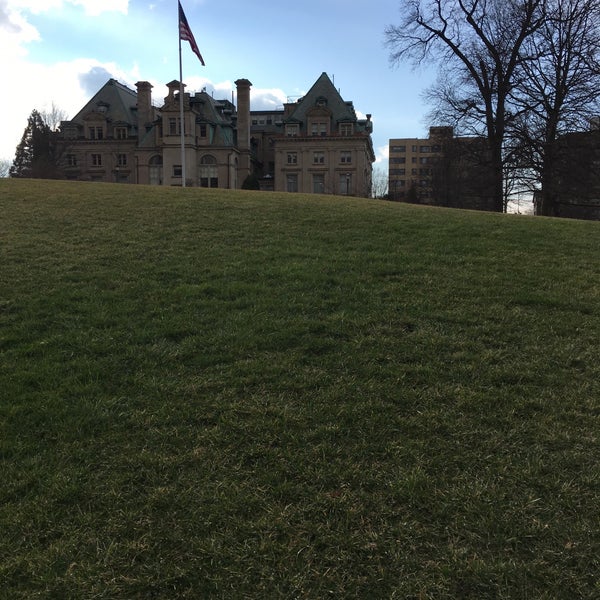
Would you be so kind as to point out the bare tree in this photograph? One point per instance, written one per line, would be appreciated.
(53, 117)
(379, 188)
(479, 44)
(558, 89)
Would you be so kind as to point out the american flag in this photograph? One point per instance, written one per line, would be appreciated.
(185, 33)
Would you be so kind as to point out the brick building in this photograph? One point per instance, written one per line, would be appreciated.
(440, 170)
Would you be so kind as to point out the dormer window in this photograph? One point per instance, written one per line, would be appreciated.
(96, 133)
(291, 130)
(346, 129)
(318, 128)
(121, 133)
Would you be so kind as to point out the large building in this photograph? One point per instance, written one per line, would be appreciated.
(440, 170)
(574, 188)
(316, 144)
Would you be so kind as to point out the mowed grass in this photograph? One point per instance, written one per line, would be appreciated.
(214, 394)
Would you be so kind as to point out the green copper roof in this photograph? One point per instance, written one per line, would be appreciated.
(120, 103)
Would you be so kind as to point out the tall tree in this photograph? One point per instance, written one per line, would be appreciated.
(34, 154)
(479, 44)
(558, 90)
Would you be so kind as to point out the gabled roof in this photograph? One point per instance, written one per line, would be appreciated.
(324, 88)
(119, 101)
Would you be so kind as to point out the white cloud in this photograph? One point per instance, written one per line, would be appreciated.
(61, 84)
(267, 98)
(91, 7)
(16, 29)
(260, 98)
(382, 154)
(37, 86)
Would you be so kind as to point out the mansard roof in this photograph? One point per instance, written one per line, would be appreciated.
(324, 93)
(218, 113)
(114, 99)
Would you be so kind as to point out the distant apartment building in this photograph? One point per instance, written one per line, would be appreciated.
(575, 184)
(314, 145)
(411, 162)
(440, 170)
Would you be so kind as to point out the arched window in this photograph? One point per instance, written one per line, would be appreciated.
(155, 165)
(208, 171)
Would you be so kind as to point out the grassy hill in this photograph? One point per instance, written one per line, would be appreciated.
(214, 394)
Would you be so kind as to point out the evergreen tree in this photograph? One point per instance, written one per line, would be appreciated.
(34, 156)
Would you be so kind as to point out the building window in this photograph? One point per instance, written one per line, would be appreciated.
(174, 126)
(319, 183)
(415, 148)
(397, 171)
(71, 160)
(345, 157)
(122, 160)
(96, 160)
(121, 133)
(292, 182)
(177, 171)
(425, 149)
(398, 160)
(319, 158)
(346, 129)
(291, 130)
(96, 133)
(398, 149)
(209, 177)
(346, 183)
(203, 130)
(292, 158)
(318, 129)
(155, 164)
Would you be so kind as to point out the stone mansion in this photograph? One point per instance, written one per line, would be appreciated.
(316, 144)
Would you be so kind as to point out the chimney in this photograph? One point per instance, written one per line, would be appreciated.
(144, 104)
(243, 127)
(243, 110)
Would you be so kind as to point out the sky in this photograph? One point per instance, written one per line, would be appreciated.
(61, 52)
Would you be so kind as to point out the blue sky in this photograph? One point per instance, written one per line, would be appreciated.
(62, 51)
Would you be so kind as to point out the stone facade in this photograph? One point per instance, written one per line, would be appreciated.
(316, 144)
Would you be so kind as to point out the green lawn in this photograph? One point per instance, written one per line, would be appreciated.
(215, 394)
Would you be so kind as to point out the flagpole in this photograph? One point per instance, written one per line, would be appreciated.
(185, 33)
(181, 121)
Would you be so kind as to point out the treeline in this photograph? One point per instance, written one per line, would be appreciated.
(520, 73)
